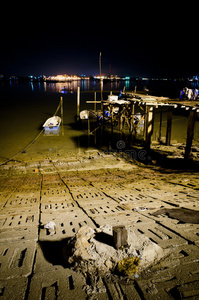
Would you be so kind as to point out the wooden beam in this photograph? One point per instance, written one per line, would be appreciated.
(92, 101)
(190, 133)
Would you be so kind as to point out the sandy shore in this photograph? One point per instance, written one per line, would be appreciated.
(95, 189)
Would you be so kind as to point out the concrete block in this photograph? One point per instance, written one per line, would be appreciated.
(11, 235)
(159, 235)
(60, 285)
(103, 209)
(13, 289)
(67, 224)
(189, 290)
(127, 218)
(159, 290)
(19, 201)
(86, 195)
(55, 192)
(54, 199)
(17, 259)
(19, 219)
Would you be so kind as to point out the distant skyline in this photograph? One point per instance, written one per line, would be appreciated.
(141, 41)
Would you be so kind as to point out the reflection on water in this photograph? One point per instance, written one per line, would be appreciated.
(69, 86)
(26, 106)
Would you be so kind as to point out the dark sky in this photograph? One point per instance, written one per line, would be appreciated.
(136, 40)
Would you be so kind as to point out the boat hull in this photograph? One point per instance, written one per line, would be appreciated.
(86, 115)
(52, 125)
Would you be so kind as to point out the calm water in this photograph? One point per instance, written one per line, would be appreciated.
(26, 106)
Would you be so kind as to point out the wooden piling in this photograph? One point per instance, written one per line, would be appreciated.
(160, 127)
(62, 114)
(95, 104)
(111, 113)
(148, 126)
(190, 133)
(169, 126)
(78, 103)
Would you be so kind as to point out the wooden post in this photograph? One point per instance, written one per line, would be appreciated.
(89, 130)
(121, 120)
(148, 126)
(160, 127)
(78, 102)
(62, 114)
(95, 106)
(111, 112)
(132, 118)
(103, 115)
(190, 133)
(169, 125)
(120, 237)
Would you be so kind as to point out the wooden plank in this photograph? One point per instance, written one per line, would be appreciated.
(92, 101)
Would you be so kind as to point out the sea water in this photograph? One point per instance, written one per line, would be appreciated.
(25, 106)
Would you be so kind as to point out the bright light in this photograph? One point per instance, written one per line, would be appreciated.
(63, 77)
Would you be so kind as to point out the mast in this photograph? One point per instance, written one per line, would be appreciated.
(100, 69)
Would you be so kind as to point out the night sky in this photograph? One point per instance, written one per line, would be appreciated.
(135, 40)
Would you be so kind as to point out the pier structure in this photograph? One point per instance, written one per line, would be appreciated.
(122, 114)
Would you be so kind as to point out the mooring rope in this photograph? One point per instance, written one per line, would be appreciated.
(32, 142)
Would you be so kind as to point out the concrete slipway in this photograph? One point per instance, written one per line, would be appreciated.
(95, 189)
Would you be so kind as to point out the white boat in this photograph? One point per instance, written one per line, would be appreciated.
(88, 114)
(52, 124)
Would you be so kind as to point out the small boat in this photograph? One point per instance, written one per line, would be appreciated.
(88, 114)
(52, 124)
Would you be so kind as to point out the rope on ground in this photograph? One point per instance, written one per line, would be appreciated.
(30, 144)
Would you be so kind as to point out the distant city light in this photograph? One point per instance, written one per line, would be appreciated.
(63, 78)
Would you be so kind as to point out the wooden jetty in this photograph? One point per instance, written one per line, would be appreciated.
(130, 102)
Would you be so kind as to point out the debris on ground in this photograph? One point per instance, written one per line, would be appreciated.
(50, 227)
(128, 266)
(95, 250)
(140, 208)
(181, 214)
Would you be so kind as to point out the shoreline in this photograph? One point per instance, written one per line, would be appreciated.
(159, 156)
